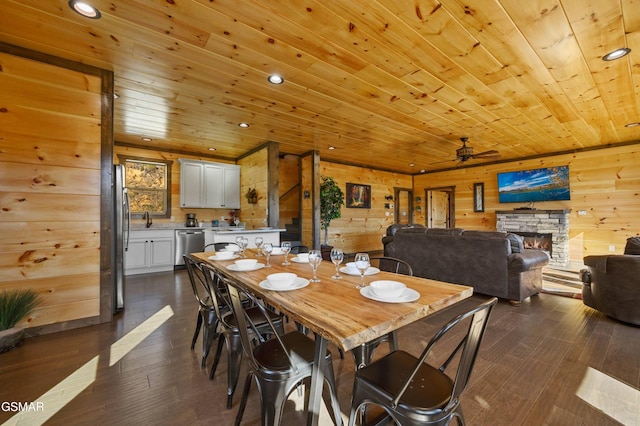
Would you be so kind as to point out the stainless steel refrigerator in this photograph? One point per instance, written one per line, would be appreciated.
(122, 228)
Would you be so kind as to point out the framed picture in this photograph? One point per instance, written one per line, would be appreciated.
(478, 197)
(358, 196)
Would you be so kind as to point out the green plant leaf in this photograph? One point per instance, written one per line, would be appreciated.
(15, 305)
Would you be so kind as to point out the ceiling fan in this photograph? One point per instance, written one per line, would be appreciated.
(465, 153)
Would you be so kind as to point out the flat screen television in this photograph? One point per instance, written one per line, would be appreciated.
(527, 186)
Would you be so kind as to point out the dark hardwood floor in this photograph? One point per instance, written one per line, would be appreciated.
(550, 361)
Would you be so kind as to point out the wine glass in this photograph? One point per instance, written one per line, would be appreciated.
(236, 221)
(267, 248)
(337, 255)
(239, 244)
(286, 248)
(315, 257)
(362, 263)
(245, 242)
(259, 241)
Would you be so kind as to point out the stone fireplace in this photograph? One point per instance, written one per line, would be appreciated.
(546, 230)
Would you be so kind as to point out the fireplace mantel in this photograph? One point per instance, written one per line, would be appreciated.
(565, 211)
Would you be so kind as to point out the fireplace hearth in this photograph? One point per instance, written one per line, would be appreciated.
(546, 230)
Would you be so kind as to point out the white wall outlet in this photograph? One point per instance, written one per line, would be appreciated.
(387, 213)
(612, 248)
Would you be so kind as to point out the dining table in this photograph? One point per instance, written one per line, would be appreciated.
(334, 309)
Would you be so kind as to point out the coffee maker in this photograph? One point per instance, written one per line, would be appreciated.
(192, 222)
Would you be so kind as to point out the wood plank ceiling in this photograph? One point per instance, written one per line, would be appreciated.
(391, 84)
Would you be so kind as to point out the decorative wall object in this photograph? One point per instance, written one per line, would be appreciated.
(478, 197)
(358, 196)
(252, 196)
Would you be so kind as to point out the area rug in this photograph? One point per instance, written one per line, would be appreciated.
(562, 283)
(561, 290)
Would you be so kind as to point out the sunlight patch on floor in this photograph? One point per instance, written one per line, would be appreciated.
(123, 346)
(65, 391)
(59, 395)
(614, 398)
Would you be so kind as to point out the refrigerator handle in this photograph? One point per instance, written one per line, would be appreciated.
(127, 216)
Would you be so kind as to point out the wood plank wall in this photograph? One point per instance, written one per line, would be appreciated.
(254, 174)
(50, 165)
(289, 189)
(604, 183)
(359, 229)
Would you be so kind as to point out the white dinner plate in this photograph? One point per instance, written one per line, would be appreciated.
(296, 260)
(299, 282)
(235, 256)
(277, 252)
(236, 268)
(408, 295)
(370, 271)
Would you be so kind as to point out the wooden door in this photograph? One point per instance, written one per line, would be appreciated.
(439, 213)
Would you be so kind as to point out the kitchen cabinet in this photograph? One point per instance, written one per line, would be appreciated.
(205, 184)
(149, 251)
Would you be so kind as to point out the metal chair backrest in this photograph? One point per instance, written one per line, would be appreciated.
(391, 264)
(469, 346)
(299, 249)
(237, 294)
(218, 246)
(205, 287)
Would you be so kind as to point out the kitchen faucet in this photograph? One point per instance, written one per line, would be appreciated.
(147, 216)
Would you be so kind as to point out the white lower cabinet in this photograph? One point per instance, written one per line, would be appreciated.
(149, 251)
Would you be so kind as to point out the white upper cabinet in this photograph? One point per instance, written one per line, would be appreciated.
(209, 185)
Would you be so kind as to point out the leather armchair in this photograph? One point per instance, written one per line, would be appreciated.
(611, 284)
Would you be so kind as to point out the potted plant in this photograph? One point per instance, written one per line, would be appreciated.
(331, 199)
(15, 305)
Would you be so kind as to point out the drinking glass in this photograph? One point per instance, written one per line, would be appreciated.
(337, 255)
(286, 248)
(267, 248)
(362, 263)
(315, 257)
(258, 242)
(239, 244)
(243, 247)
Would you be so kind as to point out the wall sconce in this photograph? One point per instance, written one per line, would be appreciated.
(418, 200)
(419, 209)
(307, 195)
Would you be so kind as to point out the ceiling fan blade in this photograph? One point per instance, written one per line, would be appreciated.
(444, 161)
(487, 154)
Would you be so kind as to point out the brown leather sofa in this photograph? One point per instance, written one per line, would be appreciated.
(493, 263)
(611, 283)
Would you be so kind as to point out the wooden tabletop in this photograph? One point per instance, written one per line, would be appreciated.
(335, 309)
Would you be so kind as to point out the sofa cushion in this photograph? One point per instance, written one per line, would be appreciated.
(517, 243)
(633, 246)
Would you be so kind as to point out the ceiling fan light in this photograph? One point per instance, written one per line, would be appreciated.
(85, 9)
(616, 54)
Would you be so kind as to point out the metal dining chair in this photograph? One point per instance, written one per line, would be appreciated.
(207, 308)
(278, 365)
(363, 354)
(411, 391)
(207, 278)
(218, 246)
(299, 249)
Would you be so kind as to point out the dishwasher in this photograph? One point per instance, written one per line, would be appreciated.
(188, 241)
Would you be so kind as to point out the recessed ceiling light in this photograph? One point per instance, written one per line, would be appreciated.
(616, 54)
(275, 79)
(332, 147)
(243, 125)
(147, 139)
(423, 171)
(85, 9)
(212, 149)
(637, 123)
(411, 165)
